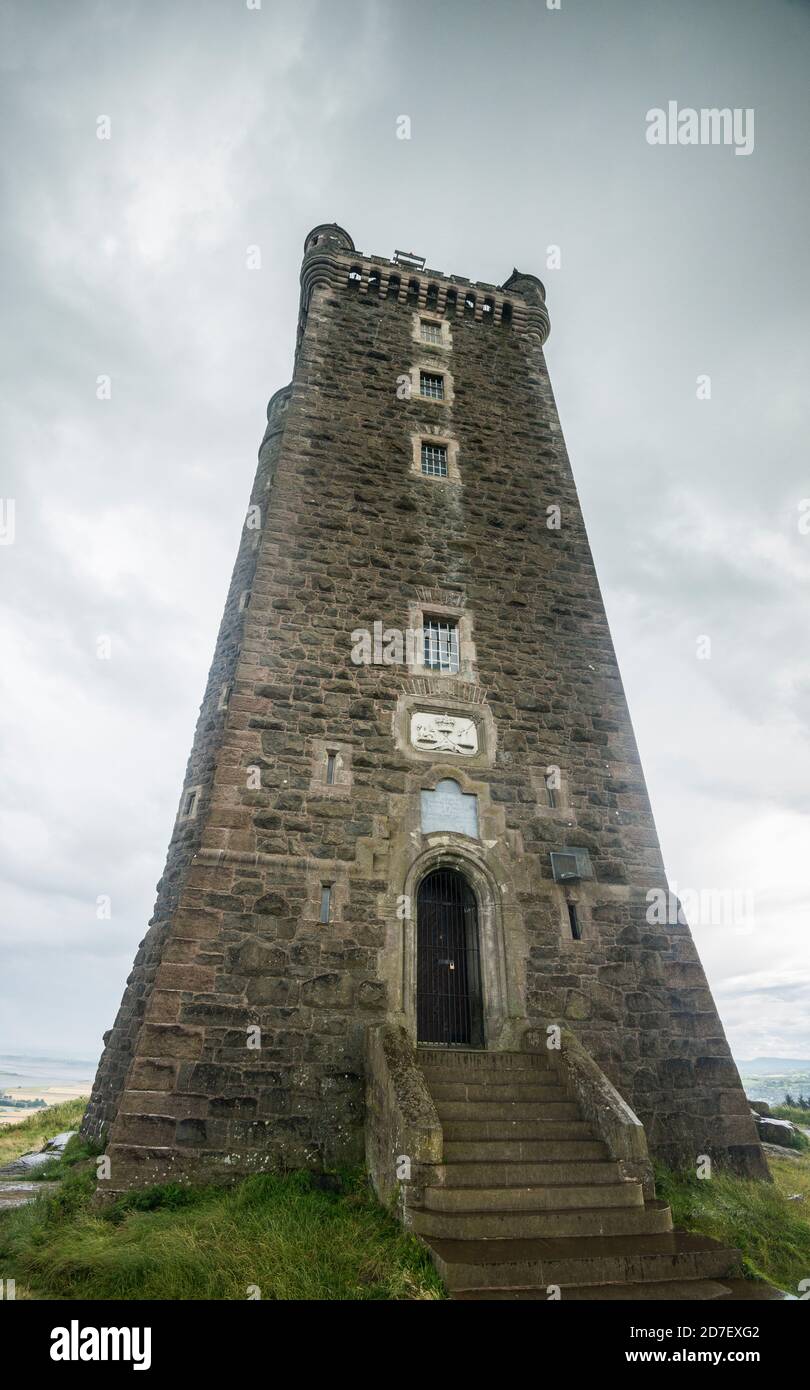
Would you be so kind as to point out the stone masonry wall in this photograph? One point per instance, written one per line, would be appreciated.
(351, 535)
(120, 1041)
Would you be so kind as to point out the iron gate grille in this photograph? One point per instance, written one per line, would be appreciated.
(448, 979)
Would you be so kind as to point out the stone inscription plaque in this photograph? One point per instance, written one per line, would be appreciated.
(443, 733)
(449, 808)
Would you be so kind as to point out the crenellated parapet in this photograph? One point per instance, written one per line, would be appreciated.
(331, 259)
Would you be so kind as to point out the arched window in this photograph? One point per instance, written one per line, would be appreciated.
(413, 292)
(432, 297)
(373, 281)
(488, 310)
(394, 286)
(469, 305)
(451, 302)
(506, 315)
(354, 277)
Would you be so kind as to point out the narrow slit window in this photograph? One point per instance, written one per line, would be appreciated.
(394, 287)
(506, 315)
(469, 304)
(331, 763)
(434, 460)
(190, 804)
(451, 302)
(552, 795)
(326, 901)
(432, 297)
(374, 281)
(440, 645)
(573, 918)
(413, 292)
(431, 385)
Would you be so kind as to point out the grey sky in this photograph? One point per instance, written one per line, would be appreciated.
(127, 257)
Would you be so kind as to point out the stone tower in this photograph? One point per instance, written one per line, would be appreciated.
(414, 798)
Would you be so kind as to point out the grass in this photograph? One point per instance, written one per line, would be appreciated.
(290, 1239)
(757, 1218)
(280, 1234)
(796, 1113)
(30, 1134)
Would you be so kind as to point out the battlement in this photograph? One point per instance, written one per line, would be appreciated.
(330, 257)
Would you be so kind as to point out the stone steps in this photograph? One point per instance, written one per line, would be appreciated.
(511, 1076)
(665, 1290)
(502, 1093)
(473, 1060)
(651, 1218)
(566, 1141)
(527, 1196)
(586, 1262)
(550, 1197)
(546, 1173)
(507, 1110)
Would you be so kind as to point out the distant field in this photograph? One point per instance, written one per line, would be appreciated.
(53, 1080)
(775, 1087)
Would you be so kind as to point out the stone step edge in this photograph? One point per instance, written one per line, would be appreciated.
(647, 1266)
(521, 1211)
(534, 1163)
(532, 1186)
(501, 1293)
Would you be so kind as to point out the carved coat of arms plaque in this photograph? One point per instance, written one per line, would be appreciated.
(443, 733)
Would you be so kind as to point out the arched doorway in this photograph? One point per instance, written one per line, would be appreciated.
(448, 975)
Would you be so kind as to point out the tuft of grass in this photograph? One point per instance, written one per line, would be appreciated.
(757, 1218)
(796, 1113)
(277, 1233)
(30, 1134)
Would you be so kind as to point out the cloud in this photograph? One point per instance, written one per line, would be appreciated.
(232, 128)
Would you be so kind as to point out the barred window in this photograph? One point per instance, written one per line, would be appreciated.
(430, 332)
(431, 384)
(440, 645)
(434, 460)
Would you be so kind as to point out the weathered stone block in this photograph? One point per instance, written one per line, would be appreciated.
(165, 1040)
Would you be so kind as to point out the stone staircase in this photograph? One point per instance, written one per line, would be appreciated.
(527, 1195)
